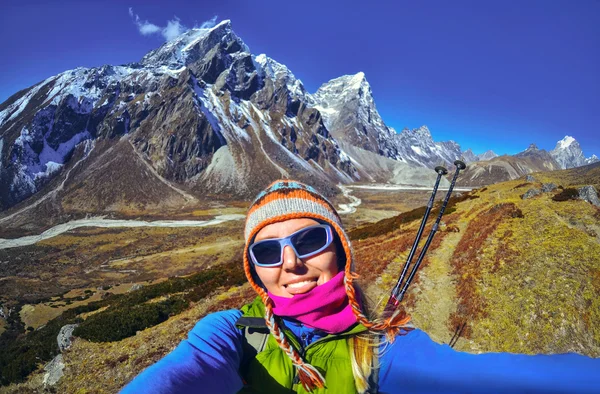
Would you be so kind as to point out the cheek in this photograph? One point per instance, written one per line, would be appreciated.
(268, 276)
(328, 263)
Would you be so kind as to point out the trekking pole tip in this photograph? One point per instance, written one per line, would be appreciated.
(460, 164)
(441, 170)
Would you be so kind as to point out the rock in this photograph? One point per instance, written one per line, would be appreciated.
(531, 193)
(64, 336)
(135, 287)
(590, 194)
(54, 371)
(548, 187)
(529, 178)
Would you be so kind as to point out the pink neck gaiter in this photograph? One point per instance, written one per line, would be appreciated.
(325, 307)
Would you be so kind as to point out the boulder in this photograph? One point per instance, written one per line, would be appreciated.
(54, 371)
(531, 193)
(135, 287)
(529, 178)
(548, 187)
(64, 336)
(590, 194)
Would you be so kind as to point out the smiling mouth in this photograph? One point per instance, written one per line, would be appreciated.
(301, 287)
(298, 285)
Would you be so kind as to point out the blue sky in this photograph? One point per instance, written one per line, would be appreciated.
(487, 74)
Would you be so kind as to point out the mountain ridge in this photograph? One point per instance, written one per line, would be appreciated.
(202, 113)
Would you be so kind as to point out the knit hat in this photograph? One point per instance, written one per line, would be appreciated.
(283, 200)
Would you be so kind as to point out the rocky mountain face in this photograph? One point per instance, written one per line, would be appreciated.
(417, 147)
(349, 112)
(469, 157)
(199, 116)
(568, 154)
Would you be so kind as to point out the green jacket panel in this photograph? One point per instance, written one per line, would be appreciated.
(272, 371)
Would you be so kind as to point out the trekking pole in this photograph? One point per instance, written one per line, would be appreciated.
(459, 166)
(391, 302)
(397, 295)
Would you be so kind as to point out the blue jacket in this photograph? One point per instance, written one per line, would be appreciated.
(208, 362)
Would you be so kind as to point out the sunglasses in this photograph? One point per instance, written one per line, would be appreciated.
(305, 243)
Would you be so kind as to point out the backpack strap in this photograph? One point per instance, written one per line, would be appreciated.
(256, 333)
(374, 381)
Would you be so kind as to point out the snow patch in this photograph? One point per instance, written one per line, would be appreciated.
(13, 110)
(418, 150)
(272, 136)
(212, 119)
(33, 166)
(565, 142)
(215, 107)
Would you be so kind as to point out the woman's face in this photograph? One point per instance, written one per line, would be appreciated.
(295, 275)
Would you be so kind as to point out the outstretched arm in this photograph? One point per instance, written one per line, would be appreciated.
(416, 364)
(208, 361)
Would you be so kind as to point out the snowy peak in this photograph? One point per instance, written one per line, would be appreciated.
(468, 156)
(565, 142)
(193, 45)
(348, 110)
(274, 69)
(568, 153)
(279, 72)
(417, 146)
(344, 88)
(487, 155)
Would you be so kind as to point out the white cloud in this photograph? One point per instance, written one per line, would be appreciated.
(209, 24)
(145, 28)
(173, 29)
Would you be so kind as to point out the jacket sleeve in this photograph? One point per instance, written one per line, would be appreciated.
(208, 361)
(416, 364)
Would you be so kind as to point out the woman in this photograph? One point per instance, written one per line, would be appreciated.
(308, 331)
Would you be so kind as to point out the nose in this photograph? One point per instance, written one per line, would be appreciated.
(289, 258)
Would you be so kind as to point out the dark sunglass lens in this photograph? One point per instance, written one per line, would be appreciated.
(309, 241)
(267, 253)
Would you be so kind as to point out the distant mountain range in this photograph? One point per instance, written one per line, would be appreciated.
(202, 116)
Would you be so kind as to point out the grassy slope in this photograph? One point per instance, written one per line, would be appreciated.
(524, 275)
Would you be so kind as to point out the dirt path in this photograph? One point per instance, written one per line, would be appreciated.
(436, 292)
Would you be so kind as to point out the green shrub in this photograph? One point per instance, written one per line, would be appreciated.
(390, 224)
(127, 314)
(567, 194)
(21, 353)
(114, 325)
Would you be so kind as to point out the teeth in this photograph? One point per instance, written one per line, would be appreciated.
(299, 284)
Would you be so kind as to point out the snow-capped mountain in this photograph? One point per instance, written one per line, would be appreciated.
(592, 159)
(417, 146)
(198, 117)
(568, 154)
(487, 155)
(348, 109)
(469, 157)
